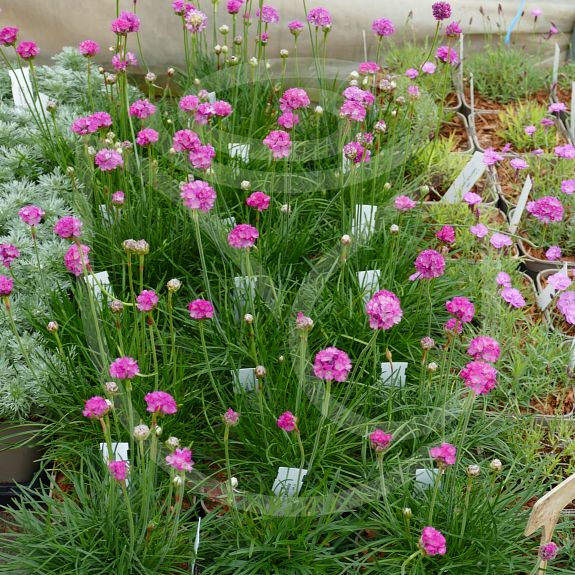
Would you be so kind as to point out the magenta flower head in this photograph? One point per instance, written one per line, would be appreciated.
(566, 305)
(453, 325)
(231, 417)
(552, 254)
(201, 309)
(147, 137)
(432, 542)
(259, 201)
(295, 27)
(353, 110)
(447, 55)
(484, 348)
(6, 286)
(491, 157)
(118, 470)
(548, 552)
(222, 109)
(180, 459)
(547, 209)
(479, 230)
(383, 27)
(503, 279)
(202, 156)
(453, 30)
(68, 227)
(118, 198)
(444, 455)
(99, 120)
(142, 109)
(303, 322)
(243, 236)
(499, 241)
(429, 68)
(147, 300)
(160, 402)
(461, 308)
(319, 17)
(380, 440)
(479, 376)
(189, 103)
(185, 141)
(268, 14)
(404, 203)
(196, 21)
(96, 407)
(560, 281)
(8, 253)
(127, 22)
(8, 36)
(198, 195)
(107, 160)
(568, 187)
(429, 264)
(567, 151)
(383, 310)
(31, 215)
(441, 10)
(332, 364)
(124, 368)
(279, 143)
(287, 421)
(76, 259)
(446, 235)
(513, 297)
(27, 50)
(234, 6)
(369, 68)
(294, 99)
(89, 48)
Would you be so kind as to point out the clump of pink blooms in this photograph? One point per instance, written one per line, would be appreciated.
(160, 402)
(77, 258)
(356, 152)
(383, 310)
(202, 156)
(319, 17)
(201, 309)
(118, 469)
(453, 30)
(441, 10)
(380, 440)
(446, 235)
(484, 348)
(499, 240)
(8, 36)
(447, 54)
(243, 236)
(27, 50)
(118, 198)
(68, 227)
(185, 141)
(142, 109)
(453, 325)
(568, 187)
(96, 407)
(196, 21)
(198, 195)
(479, 376)
(444, 454)
(268, 14)
(8, 253)
(560, 281)
(259, 201)
(294, 99)
(107, 160)
(567, 151)
(479, 230)
(295, 27)
(124, 368)
(548, 551)
(461, 308)
(121, 64)
(91, 124)
(147, 137)
(31, 215)
(287, 421)
(180, 459)
(147, 300)
(566, 305)
(6, 286)
(404, 203)
(332, 364)
(383, 27)
(491, 157)
(429, 264)
(513, 297)
(432, 542)
(126, 23)
(89, 48)
(553, 253)
(231, 417)
(279, 143)
(547, 209)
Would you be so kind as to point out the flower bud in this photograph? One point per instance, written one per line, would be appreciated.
(318, 110)
(141, 432)
(496, 466)
(142, 247)
(234, 482)
(129, 246)
(170, 72)
(473, 470)
(116, 306)
(284, 53)
(407, 512)
(225, 49)
(52, 327)
(285, 209)
(172, 442)
(260, 371)
(249, 318)
(218, 49)
(177, 481)
(253, 62)
(354, 75)
(427, 343)
(111, 387)
(158, 431)
(353, 83)
(281, 359)
(432, 367)
(224, 29)
(394, 229)
(174, 285)
(70, 171)
(151, 77)
(238, 40)
(345, 240)
(245, 185)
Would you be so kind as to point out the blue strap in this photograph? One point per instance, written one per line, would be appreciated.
(514, 21)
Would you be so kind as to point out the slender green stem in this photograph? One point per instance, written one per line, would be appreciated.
(208, 365)
(301, 461)
(436, 487)
(408, 560)
(229, 488)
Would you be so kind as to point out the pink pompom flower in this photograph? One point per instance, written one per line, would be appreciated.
(444, 455)
(96, 407)
(160, 402)
(560, 281)
(441, 10)
(383, 310)
(6, 286)
(513, 297)
(147, 137)
(332, 364)
(287, 421)
(142, 109)
(231, 417)
(268, 14)
(446, 235)
(453, 325)
(8, 253)
(89, 48)
(380, 440)
(453, 30)
(77, 258)
(201, 157)
(548, 552)
(383, 27)
(566, 305)
(484, 348)
(185, 141)
(294, 99)
(68, 227)
(126, 23)
(429, 264)
(355, 94)
(279, 143)
(201, 309)
(404, 203)
(198, 195)
(503, 279)
(553, 253)
(222, 109)
(196, 21)
(369, 68)
(31, 215)
(8, 36)
(243, 236)
(547, 209)
(259, 201)
(295, 27)
(447, 54)
(189, 103)
(108, 160)
(27, 50)
(432, 542)
(353, 110)
(124, 368)
(180, 459)
(461, 308)
(147, 300)
(118, 469)
(234, 6)
(479, 230)
(118, 198)
(429, 68)
(479, 376)
(499, 240)
(319, 17)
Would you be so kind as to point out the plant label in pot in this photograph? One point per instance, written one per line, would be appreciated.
(425, 478)
(239, 151)
(521, 203)
(363, 224)
(368, 281)
(468, 177)
(245, 379)
(211, 97)
(393, 374)
(96, 282)
(245, 290)
(289, 481)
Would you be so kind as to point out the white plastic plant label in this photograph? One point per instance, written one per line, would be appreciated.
(425, 477)
(245, 380)
(211, 97)
(289, 481)
(22, 89)
(229, 222)
(368, 281)
(196, 545)
(105, 213)
(468, 177)
(393, 375)
(245, 288)
(545, 297)
(239, 151)
(521, 203)
(364, 221)
(98, 281)
(556, 62)
(572, 360)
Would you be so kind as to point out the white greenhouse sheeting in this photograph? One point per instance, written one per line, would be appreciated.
(57, 23)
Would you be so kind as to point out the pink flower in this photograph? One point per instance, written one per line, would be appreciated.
(233, 6)
(413, 91)
(441, 10)
(118, 470)
(185, 140)
(8, 36)
(120, 64)
(27, 50)
(75, 259)
(160, 402)
(383, 310)
(479, 230)
(147, 137)
(189, 103)
(559, 281)
(447, 55)
(518, 164)
(31, 215)
(319, 17)
(147, 300)
(548, 552)
(142, 109)
(6, 286)
(279, 143)
(479, 376)
(503, 279)
(566, 305)
(303, 322)
(288, 120)
(429, 264)
(453, 30)
(568, 187)
(127, 22)
(96, 407)
(259, 201)
(547, 122)
(231, 417)
(99, 120)
(124, 368)
(536, 12)
(432, 542)
(513, 297)
(547, 209)
(201, 309)
(553, 253)
(222, 109)
(383, 27)
(472, 199)
(108, 160)
(444, 454)
(89, 48)
(196, 21)
(446, 235)
(429, 68)
(491, 157)
(500, 240)
(404, 203)
(453, 325)
(557, 107)
(180, 459)
(68, 227)
(461, 308)
(358, 95)
(243, 236)
(567, 151)
(198, 195)
(202, 156)
(411, 73)
(530, 130)
(353, 110)
(380, 440)
(8, 253)
(484, 348)
(355, 152)
(367, 68)
(332, 364)
(118, 198)
(287, 421)
(294, 99)
(203, 114)
(269, 15)
(82, 126)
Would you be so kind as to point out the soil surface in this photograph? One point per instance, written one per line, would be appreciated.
(456, 127)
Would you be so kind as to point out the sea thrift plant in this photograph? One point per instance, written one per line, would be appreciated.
(180, 459)
(383, 27)
(231, 417)
(441, 10)
(259, 201)
(142, 109)
(484, 348)
(8, 36)
(461, 308)
(294, 99)
(118, 470)
(108, 160)
(548, 551)
(319, 17)
(147, 300)
(124, 368)
(479, 376)
(31, 215)
(429, 264)
(76, 259)
(27, 50)
(446, 235)
(380, 440)
(432, 542)
(8, 253)
(287, 421)
(198, 195)
(201, 309)
(96, 407)
(6, 286)
(444, 455)
(332, 364)
(160, 402)
(68, 227)
(89, 48)
(279, 143)
(243, 236)
(383, 310)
